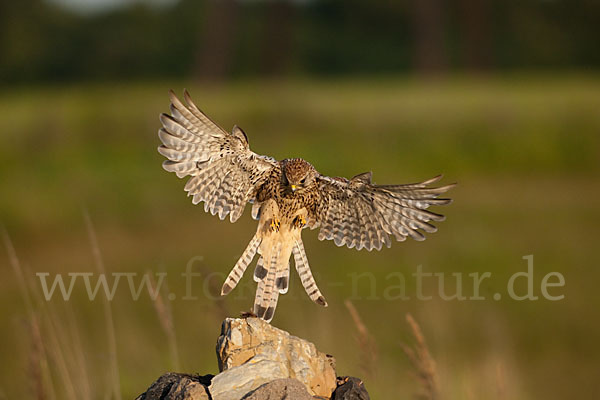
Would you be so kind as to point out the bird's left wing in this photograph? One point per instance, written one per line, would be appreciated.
(225, 173)
(360, 214)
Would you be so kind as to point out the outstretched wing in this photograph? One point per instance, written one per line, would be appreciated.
(225, 173)
(357, 213)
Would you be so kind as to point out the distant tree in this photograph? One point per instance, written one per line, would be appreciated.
(278, 37)
(428, 24)
(474, 21)
(216, 39)
(216, 54)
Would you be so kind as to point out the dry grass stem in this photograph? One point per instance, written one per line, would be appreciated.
(422, 362)
(37, 325)
(40, 365)
(366, 343)
(18, 270)
(108, 317)
(82, 370)
(165, 317)
(35, 362)
(56, 352)
(60, 353)
(52, 333)
(500, 381)
(214, 289)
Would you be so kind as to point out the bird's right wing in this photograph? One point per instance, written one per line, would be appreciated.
(225, 173)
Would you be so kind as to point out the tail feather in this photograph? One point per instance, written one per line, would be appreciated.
(264, 298)
(264, 290)
(282, 279)
(260, 271)
(240, 267)
(306, 276)
(267, 295)
(260, 289)
(272, 281)
(272, 273)
(264, 303)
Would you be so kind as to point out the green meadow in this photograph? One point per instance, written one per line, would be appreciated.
(524, 149)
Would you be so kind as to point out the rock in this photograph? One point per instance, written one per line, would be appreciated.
(280, 389)
(173, 386)
(187, 389)
(236, 382)
(260, 362)
(350, 388)
(248, 342)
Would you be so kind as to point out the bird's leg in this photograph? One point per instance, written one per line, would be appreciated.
(275, 224)
(299, 221)
(269, 218)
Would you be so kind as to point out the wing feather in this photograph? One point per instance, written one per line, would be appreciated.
(360, 214)
(225, 173)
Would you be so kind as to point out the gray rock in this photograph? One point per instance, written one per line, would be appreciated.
(187, 389)
(280, 389)
(236, 382)
(173, 386)
(350, 388)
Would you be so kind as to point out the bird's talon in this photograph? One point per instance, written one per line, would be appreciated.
(299, 221)
(275, 225)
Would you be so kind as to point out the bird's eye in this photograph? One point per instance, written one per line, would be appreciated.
(303, 180)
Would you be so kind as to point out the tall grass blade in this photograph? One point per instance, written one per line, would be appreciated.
(366, 343)
(46, 377)
(165, 317)
(422, 362)
(108, 317)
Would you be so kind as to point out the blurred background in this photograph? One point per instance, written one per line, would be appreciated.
(500, 96)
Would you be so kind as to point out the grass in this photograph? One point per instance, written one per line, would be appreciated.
(525, 151)
(366, 344)
(422, 362)
(165, 317)
(114, 384)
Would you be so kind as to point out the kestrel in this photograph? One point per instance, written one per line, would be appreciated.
(287, 196)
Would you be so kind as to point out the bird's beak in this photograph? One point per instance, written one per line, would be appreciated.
(294, 187)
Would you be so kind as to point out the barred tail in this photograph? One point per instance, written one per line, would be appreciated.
(308, 281)
(267, 293)
(240, 266)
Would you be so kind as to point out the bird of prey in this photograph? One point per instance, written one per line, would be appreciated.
(287, 196)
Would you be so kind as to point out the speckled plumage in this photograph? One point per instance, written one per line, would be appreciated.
(287, 195)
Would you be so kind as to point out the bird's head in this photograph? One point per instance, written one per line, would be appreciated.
(298, 175)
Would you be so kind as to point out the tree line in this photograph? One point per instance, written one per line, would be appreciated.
(217, 39)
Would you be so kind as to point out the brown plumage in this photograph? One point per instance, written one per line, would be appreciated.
(287, 196)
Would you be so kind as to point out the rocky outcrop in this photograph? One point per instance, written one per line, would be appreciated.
(254, 347)
(260, 362)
